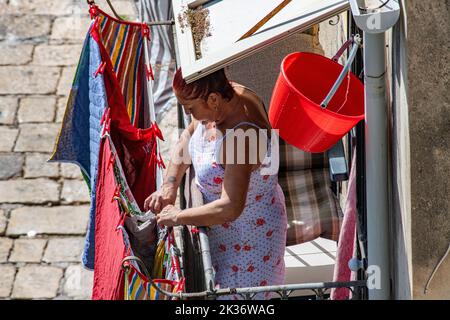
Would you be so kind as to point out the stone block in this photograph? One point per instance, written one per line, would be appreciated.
(15, 54)
(29, 191)
(65, 83)
(8, 109)
(71, 171)
(27, 250)
(78, 282)
(3, 222)
(40, 7)
(28, 80)
(5, 248)
(56, 55)
(72, 28)
(37, 282)
(13, 28)
(37, 137)
(8, 138)
(61, 220)
(61, 108)
(75, 191)
(10, 165)
(7, 274)
(64, 250)
(37, 109)
(36, 166)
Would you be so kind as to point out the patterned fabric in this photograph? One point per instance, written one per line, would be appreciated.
(137, 286)
(312, 208)
(166, 273)
(120, 46)
(249, 251)
(167, 257)
(124, 44)
(293, 159)
(162, 54)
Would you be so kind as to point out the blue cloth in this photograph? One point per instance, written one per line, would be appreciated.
(79, 140)
(97, 103)
(74, 135)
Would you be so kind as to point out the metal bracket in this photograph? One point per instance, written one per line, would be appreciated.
(338, 162)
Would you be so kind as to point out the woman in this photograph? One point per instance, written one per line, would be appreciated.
(244, 207)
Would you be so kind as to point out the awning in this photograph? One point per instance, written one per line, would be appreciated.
(231, 19)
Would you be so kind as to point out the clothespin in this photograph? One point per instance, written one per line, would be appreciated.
(105, 122)
(116, 195)
(145, 31)
(160, 162)
(106, 127)
(121, 221)
(112, 159)
(100, 69)
(149, 71)
(96, 24)
(194, 230)
(105, 115)
(93, 10)
(157, 131)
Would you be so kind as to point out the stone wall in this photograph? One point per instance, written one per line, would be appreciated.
(429, 119)
(43, 207)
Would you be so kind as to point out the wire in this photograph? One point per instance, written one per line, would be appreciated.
(436, 268)
(379, 7)
(113, 10)
(346, 93)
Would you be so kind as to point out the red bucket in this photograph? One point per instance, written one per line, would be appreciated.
(304, 82)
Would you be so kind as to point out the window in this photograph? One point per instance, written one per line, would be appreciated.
(230, 19)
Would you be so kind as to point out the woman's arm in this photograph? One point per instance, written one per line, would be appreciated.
(178, 164)
(230, 205)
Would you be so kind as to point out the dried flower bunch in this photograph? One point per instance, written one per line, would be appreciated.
(198, 20)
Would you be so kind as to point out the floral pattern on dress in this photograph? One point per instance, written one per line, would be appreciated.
(248, 251)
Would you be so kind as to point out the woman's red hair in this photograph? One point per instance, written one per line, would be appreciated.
(201, 88)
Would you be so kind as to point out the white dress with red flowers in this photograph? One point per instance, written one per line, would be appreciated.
(249, 251)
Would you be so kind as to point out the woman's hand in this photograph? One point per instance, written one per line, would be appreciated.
(168, 216)
(159, 199)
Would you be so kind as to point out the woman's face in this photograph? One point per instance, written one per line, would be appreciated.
(200, 109)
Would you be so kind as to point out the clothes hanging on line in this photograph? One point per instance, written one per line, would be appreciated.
(112, 59)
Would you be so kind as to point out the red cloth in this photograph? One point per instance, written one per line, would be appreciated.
(346, 243)
(109, 242)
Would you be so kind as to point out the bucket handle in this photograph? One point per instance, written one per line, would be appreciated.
(342, 49)
(356, 40)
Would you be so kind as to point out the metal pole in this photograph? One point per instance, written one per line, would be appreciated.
(206, 258)
(376, 167)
